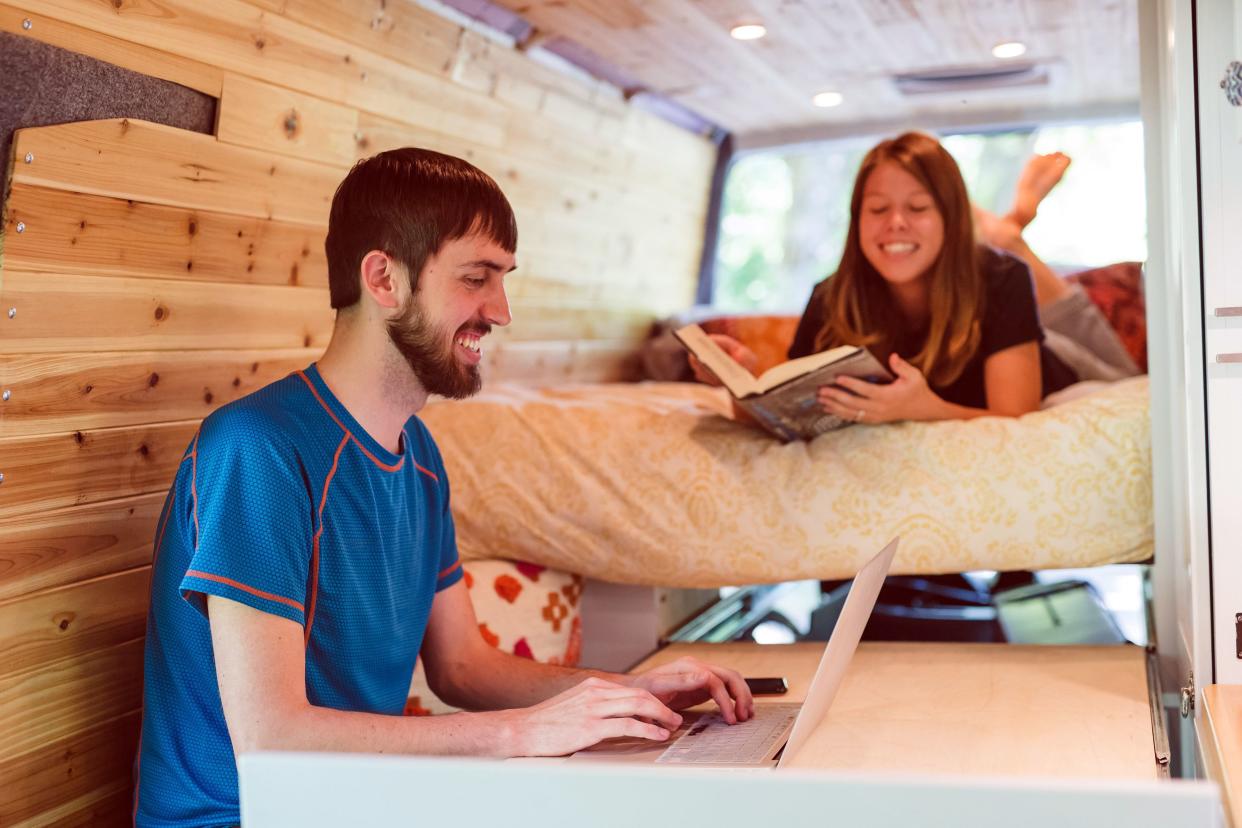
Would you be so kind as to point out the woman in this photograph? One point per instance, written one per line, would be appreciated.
(956, 321)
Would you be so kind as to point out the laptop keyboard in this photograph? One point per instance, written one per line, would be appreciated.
(712, 741)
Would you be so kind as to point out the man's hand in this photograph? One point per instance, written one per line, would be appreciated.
(906, 398)
(738, 352)
(583, 715)
(688, 681)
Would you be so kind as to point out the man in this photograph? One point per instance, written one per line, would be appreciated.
(306, 553)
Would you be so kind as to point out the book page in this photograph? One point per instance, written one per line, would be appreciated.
(737, 379)
(803, 365)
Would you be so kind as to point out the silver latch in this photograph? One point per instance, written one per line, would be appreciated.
(1232, 83)
(1188, 696)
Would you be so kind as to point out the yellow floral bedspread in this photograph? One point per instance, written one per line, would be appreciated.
(649, 484)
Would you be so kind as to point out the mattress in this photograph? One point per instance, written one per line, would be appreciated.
(652, 483)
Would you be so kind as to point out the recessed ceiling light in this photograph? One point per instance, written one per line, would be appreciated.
(748, 31)
(1009, 49)
(827, 99)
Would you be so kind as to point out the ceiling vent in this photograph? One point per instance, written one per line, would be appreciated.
(971, 79)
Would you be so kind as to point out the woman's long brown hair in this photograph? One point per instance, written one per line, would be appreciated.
(858, 308)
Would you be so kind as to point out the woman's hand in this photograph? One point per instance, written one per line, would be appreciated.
(907, 398)
(738, 352)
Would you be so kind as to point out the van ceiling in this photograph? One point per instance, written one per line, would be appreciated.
(681, 49)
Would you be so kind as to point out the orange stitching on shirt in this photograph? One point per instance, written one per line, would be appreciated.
(323, 500)
(194, 485)
(386, 467)
(267, 596)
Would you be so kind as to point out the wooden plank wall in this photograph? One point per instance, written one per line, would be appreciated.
(158, 274)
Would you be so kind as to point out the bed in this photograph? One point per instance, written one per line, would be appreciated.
(651, 483)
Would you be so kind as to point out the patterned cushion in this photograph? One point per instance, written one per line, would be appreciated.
(524, 609)
(1117, 290)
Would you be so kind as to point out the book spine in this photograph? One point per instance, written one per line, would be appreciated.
(769, 419)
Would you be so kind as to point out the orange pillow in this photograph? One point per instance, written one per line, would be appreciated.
(768, 336)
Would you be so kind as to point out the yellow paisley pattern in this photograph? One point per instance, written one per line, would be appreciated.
(650, 484)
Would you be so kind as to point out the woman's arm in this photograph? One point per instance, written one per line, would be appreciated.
(1011, 377)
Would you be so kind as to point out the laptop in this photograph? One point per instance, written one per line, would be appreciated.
(778, 730)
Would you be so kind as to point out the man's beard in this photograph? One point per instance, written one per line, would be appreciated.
(430, 353)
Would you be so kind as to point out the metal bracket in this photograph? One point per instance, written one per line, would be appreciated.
(1159, 735)
(1188, 696)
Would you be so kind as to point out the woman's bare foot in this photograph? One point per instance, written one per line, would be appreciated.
(1037, 179)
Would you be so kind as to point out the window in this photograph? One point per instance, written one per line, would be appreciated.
(786, 211)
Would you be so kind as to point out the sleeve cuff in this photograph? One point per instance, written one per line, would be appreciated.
(195, 586)
(449, 576)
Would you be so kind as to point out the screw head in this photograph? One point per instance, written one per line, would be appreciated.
(1, 477)
(27, 24)
(21, 227)
(5, 396)
(29, 159)
(12, 313)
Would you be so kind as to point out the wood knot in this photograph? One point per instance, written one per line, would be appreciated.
(189, 265)
(293, 124)
(260, 44)
(208, 397)
(293, 274)
(88, 389)
(254, 368)
(153, 380)
(143, 450)
(160, 312)
(63, 624)
(193, 227)
(306, 341)
(79, 438)
(236, 382)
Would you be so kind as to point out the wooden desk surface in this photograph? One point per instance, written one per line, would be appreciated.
(975, 709)
(1220, 740)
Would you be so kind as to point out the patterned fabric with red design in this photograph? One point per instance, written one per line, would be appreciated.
(1117, 290)
(525, 609)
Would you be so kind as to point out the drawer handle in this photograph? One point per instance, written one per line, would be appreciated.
(1229, 311)
(1229, 357)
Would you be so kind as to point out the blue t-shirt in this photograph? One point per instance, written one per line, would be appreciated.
(284, 503)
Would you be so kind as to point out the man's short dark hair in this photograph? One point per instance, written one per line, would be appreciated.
(409, 203)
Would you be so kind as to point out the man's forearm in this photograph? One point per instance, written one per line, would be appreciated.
(494, 680)
(307, 727)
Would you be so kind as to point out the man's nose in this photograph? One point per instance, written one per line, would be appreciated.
(496, 308)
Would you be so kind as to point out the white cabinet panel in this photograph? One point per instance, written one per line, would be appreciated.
(1219, 44)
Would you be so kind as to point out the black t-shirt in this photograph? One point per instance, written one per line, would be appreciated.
(1010, 318)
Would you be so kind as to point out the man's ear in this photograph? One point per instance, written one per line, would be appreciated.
(381, 279)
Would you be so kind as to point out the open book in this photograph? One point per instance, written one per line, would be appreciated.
(782, 399)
